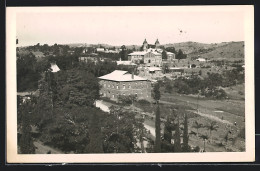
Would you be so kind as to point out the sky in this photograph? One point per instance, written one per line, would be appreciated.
(129, 25)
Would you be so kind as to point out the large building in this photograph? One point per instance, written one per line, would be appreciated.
(123, 83)
(149, 58)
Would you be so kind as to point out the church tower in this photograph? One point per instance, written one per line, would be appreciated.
(145, 45)
(157, 44)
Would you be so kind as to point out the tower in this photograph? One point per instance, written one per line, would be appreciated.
(145, 45)
(157, 43)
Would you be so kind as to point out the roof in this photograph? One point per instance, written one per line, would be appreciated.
(125, 63)
(153, 68)
(169, 53)
(175, 68)
(54, 67)
(144, 41)
(119, 75)
(138, 53)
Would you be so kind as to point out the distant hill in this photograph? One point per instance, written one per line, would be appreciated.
(230, 51)
(224, 50)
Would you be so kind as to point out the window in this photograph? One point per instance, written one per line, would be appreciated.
(104, 94)
(123, 86)
(129, 86)
(117, 86)
(108, 85)
(104, 85)
(113, 96)
(123, 94)
(113, 86)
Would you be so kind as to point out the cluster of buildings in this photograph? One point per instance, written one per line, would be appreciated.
(148, 62)
(151, 55)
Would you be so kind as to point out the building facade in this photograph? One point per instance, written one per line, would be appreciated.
(148, 58)
(123, 83)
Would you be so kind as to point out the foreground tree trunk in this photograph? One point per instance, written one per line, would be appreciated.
(157, 148)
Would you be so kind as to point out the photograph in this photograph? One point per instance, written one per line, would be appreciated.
(130, 84)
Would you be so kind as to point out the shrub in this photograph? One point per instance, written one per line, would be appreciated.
(143, 101)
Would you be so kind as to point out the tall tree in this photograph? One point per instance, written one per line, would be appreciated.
(197, 126)
(156, 92)
(25, 142)
(212, 127)
(185, 135)
(177, 137)
(123, 53)
(164, 55)
(156, 96)
(95, 145)
(157, 130)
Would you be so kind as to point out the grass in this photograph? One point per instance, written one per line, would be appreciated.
(231, 110)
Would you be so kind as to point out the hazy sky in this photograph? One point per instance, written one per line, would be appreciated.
(124, 25)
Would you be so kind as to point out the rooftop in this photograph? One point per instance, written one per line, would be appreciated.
(124, 63)
(153, 68)
(138, 53)
(119, 75)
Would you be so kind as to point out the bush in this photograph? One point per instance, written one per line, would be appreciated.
(143, 101)
(127, 99)
(241, 133)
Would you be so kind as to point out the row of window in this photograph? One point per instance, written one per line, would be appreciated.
(124, 86)
(113, 95)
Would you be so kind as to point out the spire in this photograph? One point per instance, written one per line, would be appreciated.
(144, 41)
(157, 41)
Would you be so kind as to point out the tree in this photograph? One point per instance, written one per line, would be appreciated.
(181, 55)
(119, 131)
(164, 55)
(212, 127)
(25, 141)
(197, 126)
(95, 145)
(156, 92)
(157, 130)
(27, 75)
(140, 131)
(205, 138)
(156, 96)
(123, 53)
(186, 147)
(171, 49)
(177, 137)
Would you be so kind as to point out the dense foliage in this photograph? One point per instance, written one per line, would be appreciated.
(210, 86)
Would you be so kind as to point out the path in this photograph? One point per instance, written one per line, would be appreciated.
(44, 149)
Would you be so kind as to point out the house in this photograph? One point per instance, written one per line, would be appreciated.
(176, 71)
(149, 72)
(170, 56)
(90, 58)
(125, 63)
(201, 60)
(54, 67)
(123, 83)
(100, 50)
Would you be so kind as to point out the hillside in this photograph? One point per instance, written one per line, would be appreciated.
(224, 50)
(231, 51)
